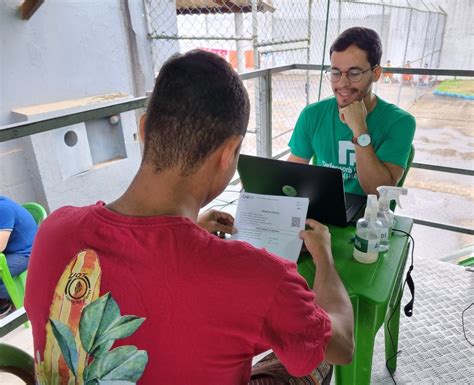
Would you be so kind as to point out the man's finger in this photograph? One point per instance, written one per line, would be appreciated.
(224, 228)
(341, 116)
(224, 218)
(312, 223)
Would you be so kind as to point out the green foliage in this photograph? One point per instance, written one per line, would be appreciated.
(66, 343)
(99, 326)
(123, 363)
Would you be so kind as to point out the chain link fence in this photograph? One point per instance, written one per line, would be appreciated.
(253, 34)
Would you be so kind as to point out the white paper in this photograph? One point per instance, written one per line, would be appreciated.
(272, 222)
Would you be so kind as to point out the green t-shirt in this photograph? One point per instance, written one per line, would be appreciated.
(320, 134)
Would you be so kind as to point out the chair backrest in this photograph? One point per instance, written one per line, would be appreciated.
(409, 162)
(36, 210)
(400, 183)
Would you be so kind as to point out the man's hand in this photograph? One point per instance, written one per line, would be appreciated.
(217, 222)
(354, 115)
(317, 240)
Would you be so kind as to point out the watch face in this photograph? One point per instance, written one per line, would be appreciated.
(363, 140)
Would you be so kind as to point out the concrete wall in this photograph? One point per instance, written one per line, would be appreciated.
(69, 50)
(458, 42)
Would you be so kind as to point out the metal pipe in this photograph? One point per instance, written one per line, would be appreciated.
(443, 226)
(426, 37)
(239, 46)
(324, 50)
(291, 41)
(264, 118)
(178, 37)
(339, 7)
(434, 42)
(283, 50)
(405, 55)
(449, 170)
(308, 52)
(256, 61)
(442, 40)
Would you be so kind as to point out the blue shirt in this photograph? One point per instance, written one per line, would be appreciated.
(22, 225)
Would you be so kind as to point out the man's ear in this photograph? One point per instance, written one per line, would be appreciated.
(141, 128)
(377, 72)
(231, 150)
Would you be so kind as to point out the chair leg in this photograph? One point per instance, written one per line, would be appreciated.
(8, 282)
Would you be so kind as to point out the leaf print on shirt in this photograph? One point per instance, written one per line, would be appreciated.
(82, 329)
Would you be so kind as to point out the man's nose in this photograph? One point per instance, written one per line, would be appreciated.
(344, 79)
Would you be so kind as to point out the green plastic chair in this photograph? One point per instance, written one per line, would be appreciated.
(409, 162)
(16, 285)
(17, 362)
(400, 183)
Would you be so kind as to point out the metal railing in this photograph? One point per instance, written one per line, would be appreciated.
(264, 122)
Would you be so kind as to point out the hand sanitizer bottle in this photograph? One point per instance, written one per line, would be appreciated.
(367, 237)
(385, 215)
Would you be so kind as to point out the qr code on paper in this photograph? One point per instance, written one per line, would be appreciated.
(295, 221)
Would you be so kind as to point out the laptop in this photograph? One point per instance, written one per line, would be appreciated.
(323, 186)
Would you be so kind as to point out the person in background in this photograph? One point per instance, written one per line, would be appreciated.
(407, 78)
(426, 79)
(388, 76)
(198, 308)
(17, 231)
(364, 136)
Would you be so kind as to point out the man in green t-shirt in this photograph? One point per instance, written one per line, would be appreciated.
(355, 131)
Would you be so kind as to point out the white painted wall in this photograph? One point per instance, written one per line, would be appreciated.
(69, 50)
(458, 42)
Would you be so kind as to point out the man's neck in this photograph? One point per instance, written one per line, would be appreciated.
(370, 101)
(154, 193)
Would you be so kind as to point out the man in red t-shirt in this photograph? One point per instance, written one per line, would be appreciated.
(140, 290)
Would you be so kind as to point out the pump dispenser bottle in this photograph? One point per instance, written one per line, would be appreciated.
(367, 237)
(385, 215)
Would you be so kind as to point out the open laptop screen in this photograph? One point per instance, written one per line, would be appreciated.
(322, 185)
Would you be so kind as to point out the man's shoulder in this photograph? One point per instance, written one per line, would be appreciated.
(7, 202)
(386, 107)
(64, 218)
(66, 211)
(321, 106)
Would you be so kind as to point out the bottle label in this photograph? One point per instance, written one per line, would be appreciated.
(366, 245)
(384, 235)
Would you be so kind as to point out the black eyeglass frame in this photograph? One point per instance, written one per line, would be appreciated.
(329, 74)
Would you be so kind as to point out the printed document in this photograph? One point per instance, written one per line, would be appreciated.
(271, 222)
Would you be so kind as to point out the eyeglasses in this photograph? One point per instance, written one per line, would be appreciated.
(354, 74)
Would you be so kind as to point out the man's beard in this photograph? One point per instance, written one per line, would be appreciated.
(353, 94)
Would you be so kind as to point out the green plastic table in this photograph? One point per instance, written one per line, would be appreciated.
(374, 291)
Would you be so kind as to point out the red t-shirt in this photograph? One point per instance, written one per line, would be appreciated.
(209, 304)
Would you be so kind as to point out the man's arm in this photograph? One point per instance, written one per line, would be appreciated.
(297, 159)
(371, 172)
(4, 237)
(331, 294)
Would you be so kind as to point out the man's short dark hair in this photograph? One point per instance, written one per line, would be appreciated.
(198, 102)
(365, 39)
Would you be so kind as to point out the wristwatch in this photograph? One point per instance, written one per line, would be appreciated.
(362, 140)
